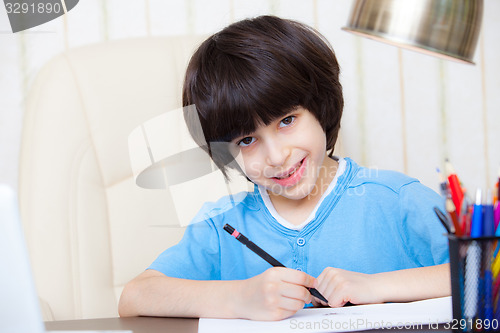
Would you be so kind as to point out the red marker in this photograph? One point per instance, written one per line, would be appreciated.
(457, 194)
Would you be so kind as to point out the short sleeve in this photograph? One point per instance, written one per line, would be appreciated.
(421, 230)
(195, 257)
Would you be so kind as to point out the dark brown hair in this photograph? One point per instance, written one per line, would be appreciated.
(255, 71)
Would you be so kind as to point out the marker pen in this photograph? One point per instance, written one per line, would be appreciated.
(449, 205)
(477, 217)
(488, 216)
(456, 191)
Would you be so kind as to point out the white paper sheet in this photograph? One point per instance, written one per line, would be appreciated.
(422, 314)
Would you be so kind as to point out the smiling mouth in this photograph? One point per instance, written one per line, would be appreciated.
(291, 173)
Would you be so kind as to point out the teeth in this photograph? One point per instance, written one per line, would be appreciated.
(291, 173)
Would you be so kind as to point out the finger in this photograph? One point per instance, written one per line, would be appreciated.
(315, 302)
(320, 298)
(324, 278)
(322, 285)
(293, 291)
(328, 287)
(318, 303)
(321, 288)
(336, 296)
(337, 302)
(324, 303)
(291, 304)
(299, 278)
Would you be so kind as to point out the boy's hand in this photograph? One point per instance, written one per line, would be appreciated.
(340, 286)
(276, 294)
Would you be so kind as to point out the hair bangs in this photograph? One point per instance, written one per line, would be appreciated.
(244, 99)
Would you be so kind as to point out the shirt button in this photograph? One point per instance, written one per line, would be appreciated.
(299, 269)
(301, 241)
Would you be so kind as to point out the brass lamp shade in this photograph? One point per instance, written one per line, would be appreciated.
(444, 28)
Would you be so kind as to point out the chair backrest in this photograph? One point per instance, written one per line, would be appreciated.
(89, 227)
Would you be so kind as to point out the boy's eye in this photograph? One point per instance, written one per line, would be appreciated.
(287, 121)
(246, 141)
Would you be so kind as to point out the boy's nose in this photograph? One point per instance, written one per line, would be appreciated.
(277, 153)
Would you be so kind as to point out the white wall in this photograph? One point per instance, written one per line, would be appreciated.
(451, 110)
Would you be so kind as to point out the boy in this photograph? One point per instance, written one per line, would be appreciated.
(268, 89)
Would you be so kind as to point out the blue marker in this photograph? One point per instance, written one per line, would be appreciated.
(476, 229)
(488, 216)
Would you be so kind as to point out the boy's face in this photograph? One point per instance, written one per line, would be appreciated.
(285, 156)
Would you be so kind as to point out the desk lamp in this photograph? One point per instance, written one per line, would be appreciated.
(444, 28)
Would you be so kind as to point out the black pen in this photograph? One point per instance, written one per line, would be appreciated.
(444, 221)
(264, 255)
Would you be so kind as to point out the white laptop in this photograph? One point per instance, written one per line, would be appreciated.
(19, 306)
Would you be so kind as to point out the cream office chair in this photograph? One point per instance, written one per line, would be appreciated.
(89, 227)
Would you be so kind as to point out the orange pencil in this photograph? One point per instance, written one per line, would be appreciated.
(464, 216)
(450, 208)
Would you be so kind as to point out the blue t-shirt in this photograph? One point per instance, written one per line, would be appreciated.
(373, 221)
